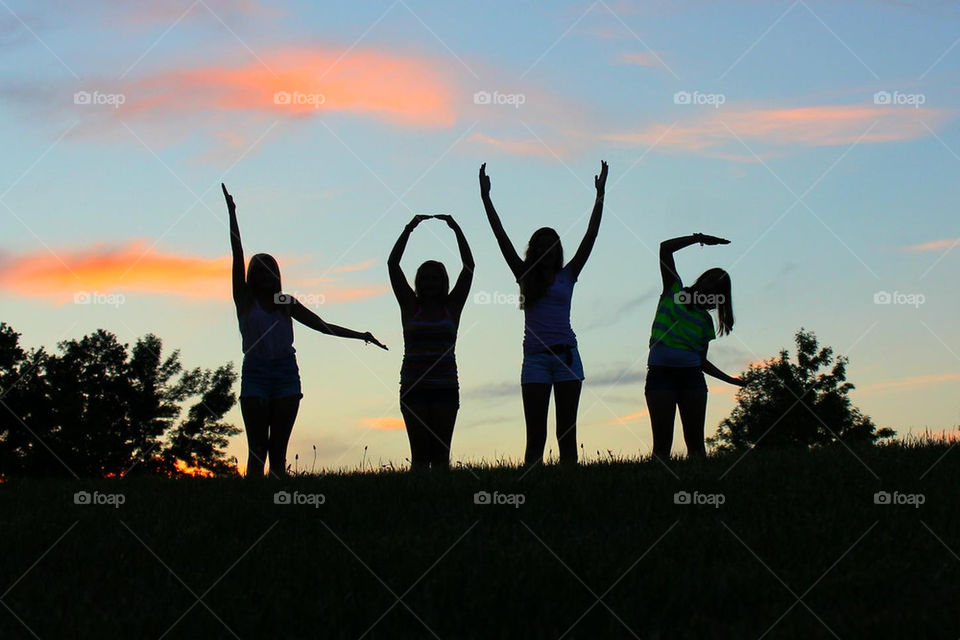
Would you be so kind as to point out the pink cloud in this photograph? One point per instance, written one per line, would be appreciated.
(933, 245)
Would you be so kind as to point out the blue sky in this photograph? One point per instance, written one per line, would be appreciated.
(828, 192)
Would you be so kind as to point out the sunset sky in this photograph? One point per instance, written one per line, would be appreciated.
(821, 138)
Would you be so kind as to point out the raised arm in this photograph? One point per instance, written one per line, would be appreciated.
(579, 259)
(668, 269)
(308, 318)
(239, 279)
(401, 288)
(460, 291)
(506, 247)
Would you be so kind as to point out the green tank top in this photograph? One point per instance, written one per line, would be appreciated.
(680, 326)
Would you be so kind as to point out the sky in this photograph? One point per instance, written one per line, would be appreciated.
(821, 138)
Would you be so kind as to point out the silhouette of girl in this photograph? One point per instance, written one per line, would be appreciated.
(682, 330)
(270, 379)
(550, 355)
(430, 313)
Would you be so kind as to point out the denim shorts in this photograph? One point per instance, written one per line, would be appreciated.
(270, 379)
(663, 378)
(547, 368)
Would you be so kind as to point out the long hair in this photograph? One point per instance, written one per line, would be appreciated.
(444, 278)
(535, 281)
(263, 278)
(716, 281)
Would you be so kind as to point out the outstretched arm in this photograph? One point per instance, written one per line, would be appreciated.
(711, 370)
(506, 247)
(308, 318)
(458, 295)
(668, 269)
(239, 280)
(579, 259)
(401, 288)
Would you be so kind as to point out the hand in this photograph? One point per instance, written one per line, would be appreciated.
(600, 182)
(484, 180)
(448, 219)
(417, 219)
(368, 338)
(231, 207)
(705, 239)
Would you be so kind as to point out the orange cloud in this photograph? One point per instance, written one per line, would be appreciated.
(632, 417)
(712, 130)
(360, 266)
(390, 424)
(301, 83)
(134, 266)
(639, 58)
(520, 147)
(933, 245)
(911, 382)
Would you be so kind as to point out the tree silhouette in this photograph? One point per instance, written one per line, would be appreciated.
(97, 409)
(804, 404)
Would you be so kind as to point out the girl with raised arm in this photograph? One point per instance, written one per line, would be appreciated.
(551, 359)
(430, 313)
(682, 331)
(269, 379)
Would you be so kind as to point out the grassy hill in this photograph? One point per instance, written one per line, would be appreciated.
(773, 544)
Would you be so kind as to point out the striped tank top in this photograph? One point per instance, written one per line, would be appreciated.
(680, 331)
(429, 361)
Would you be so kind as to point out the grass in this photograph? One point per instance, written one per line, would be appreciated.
(798, 549)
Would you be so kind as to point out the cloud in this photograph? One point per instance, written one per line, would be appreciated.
(385, 423)
(933, 245)
(715, 131)
(911, 382)
(360, 266)
(135, 266)
(640, 58)
(529, 147)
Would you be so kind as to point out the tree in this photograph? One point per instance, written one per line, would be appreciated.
(98, 409)
(803, 404)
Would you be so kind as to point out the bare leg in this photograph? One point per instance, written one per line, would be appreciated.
(693, 411)
(416, 418)
(283, 413)
(536, 403)
(444, 419)
(256, 423)
(662, 406)
(567, 398)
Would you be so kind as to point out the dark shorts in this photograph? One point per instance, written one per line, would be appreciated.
(662, 378)
(436, 397)
(270, 379)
